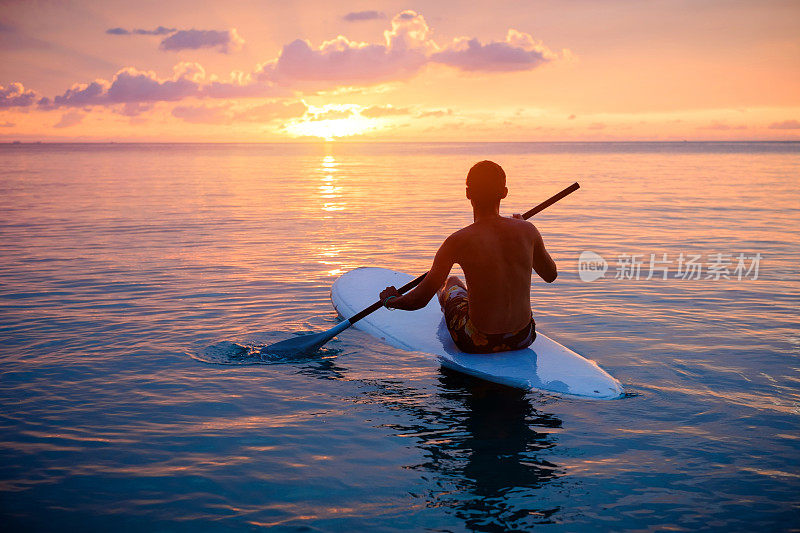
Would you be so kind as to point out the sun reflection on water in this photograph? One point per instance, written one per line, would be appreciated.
(330, 192)
(329, 256)
(328, 189)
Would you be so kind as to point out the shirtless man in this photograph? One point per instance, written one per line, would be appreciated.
(492, 313)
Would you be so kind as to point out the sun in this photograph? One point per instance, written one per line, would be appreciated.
(330, 122)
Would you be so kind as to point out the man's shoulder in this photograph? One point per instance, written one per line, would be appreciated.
(459, 238)
(522, 225)
(509, 224)
(463, 232)
(466, 234)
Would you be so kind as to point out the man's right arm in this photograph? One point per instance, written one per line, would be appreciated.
(419, 296)
(543, 264)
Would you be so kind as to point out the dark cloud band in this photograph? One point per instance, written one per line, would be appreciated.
(161, 30)
(357, 16)
(224, 41)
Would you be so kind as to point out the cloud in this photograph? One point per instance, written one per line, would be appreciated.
(518, 52)
(571, 117)
(597, 126)
(79, 95)
(785, 125)
(242, 85)
(341, 61)
(131, 86)
(227, 41)
(134, 109)
(357, 16)
(332, 114)
(7, 124)
(407, 47)
(70, 118)
(15, 95)
(161, 30)
(384, 111)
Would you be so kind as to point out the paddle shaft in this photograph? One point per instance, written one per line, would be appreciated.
(416, 281)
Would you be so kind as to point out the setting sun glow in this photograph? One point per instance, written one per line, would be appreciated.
(344, 121)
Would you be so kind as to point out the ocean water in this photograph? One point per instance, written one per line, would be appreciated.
(127, 270)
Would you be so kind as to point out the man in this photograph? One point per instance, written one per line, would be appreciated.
(492, 313)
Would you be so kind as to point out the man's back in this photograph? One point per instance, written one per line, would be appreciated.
(492, 313)
(497, 256)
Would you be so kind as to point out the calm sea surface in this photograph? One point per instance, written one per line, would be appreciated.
(126, 271)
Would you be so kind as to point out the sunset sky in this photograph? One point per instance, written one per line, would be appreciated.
(261, 71)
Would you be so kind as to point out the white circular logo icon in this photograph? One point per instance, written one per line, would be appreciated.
(591, 266)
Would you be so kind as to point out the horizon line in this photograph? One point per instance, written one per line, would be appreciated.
(323, 141)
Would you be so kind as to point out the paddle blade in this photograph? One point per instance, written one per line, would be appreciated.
(306, 343)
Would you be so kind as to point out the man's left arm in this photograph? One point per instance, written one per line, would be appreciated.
(419, 296)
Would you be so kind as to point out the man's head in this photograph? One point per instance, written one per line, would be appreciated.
(486, 183)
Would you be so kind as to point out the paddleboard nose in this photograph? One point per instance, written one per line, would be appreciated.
(602, 390)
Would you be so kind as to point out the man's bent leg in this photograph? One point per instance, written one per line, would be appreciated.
(452, 280)
(455, 305)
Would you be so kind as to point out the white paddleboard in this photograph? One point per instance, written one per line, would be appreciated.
(545, 365)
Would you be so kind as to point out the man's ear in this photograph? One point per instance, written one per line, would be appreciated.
(468, 195)
(505, 192)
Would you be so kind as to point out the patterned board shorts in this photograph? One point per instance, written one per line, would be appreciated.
(466, 335)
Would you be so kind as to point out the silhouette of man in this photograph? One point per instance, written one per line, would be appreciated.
(492, 312)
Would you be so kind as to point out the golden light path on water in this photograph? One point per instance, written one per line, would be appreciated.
(331, 195)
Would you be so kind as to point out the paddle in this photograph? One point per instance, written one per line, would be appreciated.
(309, 343)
